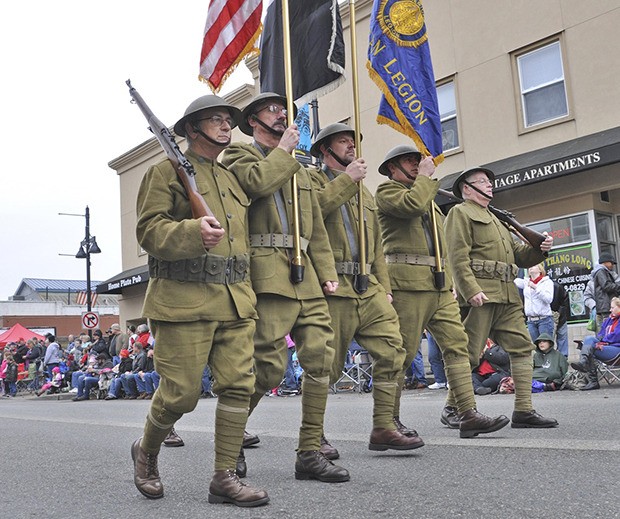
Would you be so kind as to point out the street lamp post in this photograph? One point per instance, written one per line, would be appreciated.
(87, 247)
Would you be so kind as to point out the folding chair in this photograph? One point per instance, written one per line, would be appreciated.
(610, 373)
(357, 371)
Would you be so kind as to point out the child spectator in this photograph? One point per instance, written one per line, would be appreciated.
(53, 385)
(550, 365)
(9, 371)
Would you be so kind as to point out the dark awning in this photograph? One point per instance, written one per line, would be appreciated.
(581, 154)
(127, 278)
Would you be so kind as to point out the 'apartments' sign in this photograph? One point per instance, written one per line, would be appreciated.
(565, 166)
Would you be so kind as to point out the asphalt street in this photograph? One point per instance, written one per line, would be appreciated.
(71, 459)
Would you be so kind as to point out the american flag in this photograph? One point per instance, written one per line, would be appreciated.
(231, 31)
(82, 297)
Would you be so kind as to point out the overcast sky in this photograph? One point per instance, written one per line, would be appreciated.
(66, 114)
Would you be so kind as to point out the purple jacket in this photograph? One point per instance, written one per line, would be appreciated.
(607, 335)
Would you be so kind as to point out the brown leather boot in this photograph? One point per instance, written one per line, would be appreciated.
(328, 450)
(173, 439)
(450, 417)
(403, 429)
(249, 439)
(241, 467)
(145, 472)
(384, 439)
(314, 465)
(226, 487)
(472, 423)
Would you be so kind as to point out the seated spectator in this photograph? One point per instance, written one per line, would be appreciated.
(128, 379)
(605, 346)
(99, 345)
(88, 360)
(91, 377)
(54, 385)
(144, 336)
(151, 383)
(494, 366)
(550, 365)
(124, 366)
(140, 377)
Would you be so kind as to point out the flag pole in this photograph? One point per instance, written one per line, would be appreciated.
(297, 267)
(361, 280)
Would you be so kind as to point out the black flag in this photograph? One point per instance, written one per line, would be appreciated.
(317, 49)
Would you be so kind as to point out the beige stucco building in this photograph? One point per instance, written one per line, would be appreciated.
(526, 88)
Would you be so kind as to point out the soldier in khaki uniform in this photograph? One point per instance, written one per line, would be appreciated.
(485, 261)
(363, 313)
(199, 301)
(405, 203)
(264, 169)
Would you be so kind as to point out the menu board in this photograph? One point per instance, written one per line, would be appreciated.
(571, 267)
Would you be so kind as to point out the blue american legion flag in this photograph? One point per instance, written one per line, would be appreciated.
(399, 62)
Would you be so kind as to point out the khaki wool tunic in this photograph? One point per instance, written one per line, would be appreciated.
(260, 177)
(167, 231)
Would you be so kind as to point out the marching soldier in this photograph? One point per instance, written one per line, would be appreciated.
(199, 301)
(485, 261)
(264, 169)
(412, 229)
(360, 311)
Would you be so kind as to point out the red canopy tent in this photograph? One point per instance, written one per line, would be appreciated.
(16, 332)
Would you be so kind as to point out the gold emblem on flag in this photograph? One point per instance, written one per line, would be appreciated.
(403, 21)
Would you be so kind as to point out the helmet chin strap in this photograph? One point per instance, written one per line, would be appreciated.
(478, 190)
(337, 158)
(212, 141)
(266, 127)
(402, 170)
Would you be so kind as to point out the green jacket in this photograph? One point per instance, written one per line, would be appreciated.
(332, 195)
(550, 366)
(261, 177)
(167, 231)
(401, 208)
(477, 241)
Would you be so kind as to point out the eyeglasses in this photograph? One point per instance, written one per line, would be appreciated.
(274, 109)
(216, 121)
(483, 181)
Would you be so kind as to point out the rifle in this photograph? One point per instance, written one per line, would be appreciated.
(534, 238)
(182, 166)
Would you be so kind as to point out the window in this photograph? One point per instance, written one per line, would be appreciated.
(606, 233)
(567, 230)
(542, 85)
(447, 110)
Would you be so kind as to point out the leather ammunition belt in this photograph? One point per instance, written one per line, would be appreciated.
(412, 259)
(487, 269)
(350, 267)
(283, 241)
(209, 268)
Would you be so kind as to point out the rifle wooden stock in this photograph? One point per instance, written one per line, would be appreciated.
(182, 166)
(534, 238)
